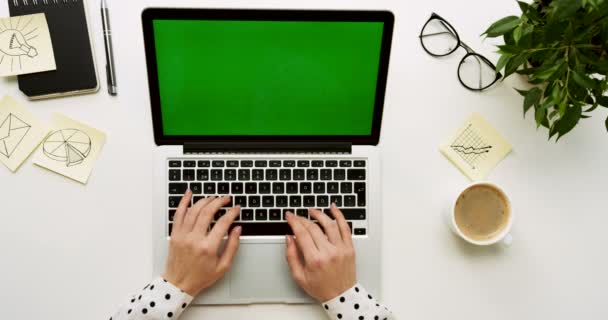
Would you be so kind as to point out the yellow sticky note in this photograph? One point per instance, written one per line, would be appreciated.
(25, 45)
(20, 133)
(71, 149)
(476, 148)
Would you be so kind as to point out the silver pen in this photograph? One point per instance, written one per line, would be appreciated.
(107, 37)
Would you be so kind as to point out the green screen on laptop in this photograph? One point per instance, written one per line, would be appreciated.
(267, 78)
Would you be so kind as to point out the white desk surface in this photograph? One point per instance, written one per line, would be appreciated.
(75, 252)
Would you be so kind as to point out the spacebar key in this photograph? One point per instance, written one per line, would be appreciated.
(264, 229)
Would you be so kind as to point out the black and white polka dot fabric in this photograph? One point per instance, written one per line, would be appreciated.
(356, 304)
(158, 300)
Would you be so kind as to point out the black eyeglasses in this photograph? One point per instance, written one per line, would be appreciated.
(439, 39)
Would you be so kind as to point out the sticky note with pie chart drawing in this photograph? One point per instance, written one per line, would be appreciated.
(476, 148)
(71, 149)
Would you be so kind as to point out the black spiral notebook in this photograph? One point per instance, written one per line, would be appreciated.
(76, 70)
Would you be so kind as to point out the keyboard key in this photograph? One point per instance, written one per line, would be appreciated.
(264, 188)
(274, 214)
(247, 214)
(309, 201)
(171, 214)
(299, 174)
(272, 174)
(254, 201)
(323, 201)
(332, 187)
(350, 214)
(175, 164)
(246, 163)
(190, 164)
(337, 200)
(170, 229)
(240, 201)
(360, 191)
(350, 201)
(281, 201)
(261, 215)
(232, 163)
(359, 231)
(346, 187)
(223, 188)
(346, 163)
(360, 163)
(264, 229)
(178, 188)
(251, 188)
(339, 174)
(244, 174)
(197, 199)
(285, 213)
(209, 188)
(319, 187)
(218, 215)
(204, 164)
(305, 187)
(295, 201)
(196, 188)
(267, 201)
(356, 174)
(292, 187)
(218, 164)
(326, 174)
(237, 188)
(312, 174)
(285, 174)
(275, 163)
(217, 175)
(188, 175)
(278, 187)
(261, 164)
(331, 163)
(175, 175)
(230, 175)
(303, 163)
(257, 174)
(317, 164)
(289, 164)
(174, 202)
(302, 213)
(202, 174)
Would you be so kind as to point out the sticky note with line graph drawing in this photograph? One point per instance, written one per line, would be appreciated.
(476, 148)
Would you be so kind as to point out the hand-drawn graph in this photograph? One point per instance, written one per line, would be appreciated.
(12, 131)
(71, 146)
(471, 147)
(15, 33)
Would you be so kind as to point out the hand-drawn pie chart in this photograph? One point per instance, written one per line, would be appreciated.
(71, 146)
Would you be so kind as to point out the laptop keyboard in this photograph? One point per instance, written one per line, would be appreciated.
(267, 189)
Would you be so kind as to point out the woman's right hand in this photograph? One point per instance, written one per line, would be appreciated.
(328, 265)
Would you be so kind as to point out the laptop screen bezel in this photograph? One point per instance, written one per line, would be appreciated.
(151, 14)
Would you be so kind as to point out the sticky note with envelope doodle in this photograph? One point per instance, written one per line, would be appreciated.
(20, 133)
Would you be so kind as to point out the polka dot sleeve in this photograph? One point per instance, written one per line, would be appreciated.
(356, 304)
(158, 300)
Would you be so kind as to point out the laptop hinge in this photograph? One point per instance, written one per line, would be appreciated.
(267, 147)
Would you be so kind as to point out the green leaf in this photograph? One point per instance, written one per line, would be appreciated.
(593, 107)
(565, 8)
(602, 101)
(523, 93)
(546, 74)
(582, 80)
(532, 97)
(563, 106)
(540, 115)
(502, 26)
(607, 124)
(523, 6)
(568, 121)
(502, 62)
(513, 64)
(517, 34)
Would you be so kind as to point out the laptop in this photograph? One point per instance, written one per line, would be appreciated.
(280, 109)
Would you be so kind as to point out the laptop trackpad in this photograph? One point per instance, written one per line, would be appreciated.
(261, 272)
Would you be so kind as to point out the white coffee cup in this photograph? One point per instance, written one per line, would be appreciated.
(503, 237)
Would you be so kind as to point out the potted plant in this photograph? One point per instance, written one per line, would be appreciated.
(562, 48)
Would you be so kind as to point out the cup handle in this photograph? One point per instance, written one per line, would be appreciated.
(507, 241)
